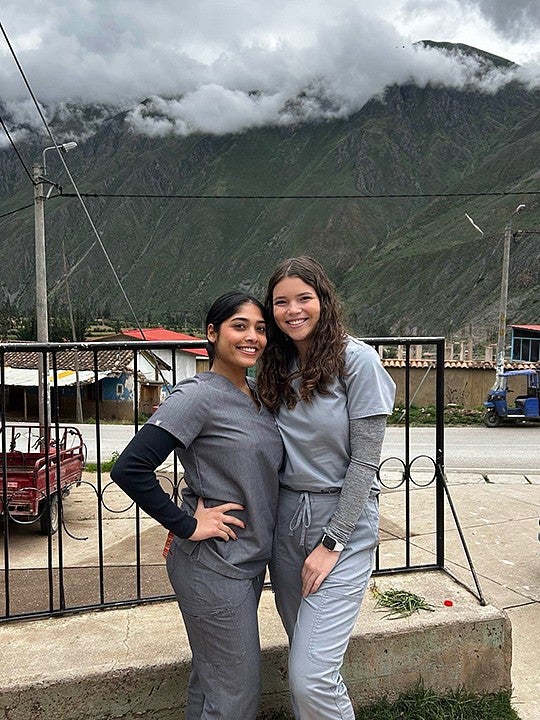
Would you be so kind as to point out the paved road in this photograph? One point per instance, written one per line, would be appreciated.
(475, 449)
(467, 449)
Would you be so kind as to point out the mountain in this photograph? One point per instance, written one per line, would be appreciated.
(404, 260)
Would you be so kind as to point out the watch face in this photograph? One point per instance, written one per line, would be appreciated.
(328, 542)
(331, 543)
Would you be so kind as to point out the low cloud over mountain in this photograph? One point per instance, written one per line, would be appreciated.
(226, 67)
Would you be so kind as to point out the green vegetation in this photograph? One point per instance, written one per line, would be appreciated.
(106, 465)
(425, 415)
(20, 325)
(423, 704)
(17, 324)
(399, 603)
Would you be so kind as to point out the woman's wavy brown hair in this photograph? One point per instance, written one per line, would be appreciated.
(325, 358)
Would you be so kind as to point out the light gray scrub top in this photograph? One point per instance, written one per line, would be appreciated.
(231, 453)
(316, 434)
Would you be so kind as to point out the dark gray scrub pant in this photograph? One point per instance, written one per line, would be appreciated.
(319, 626)
(220, 616)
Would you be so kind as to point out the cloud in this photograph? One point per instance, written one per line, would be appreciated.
(518, 18)
(219, 67)
(509, 28)
(348, 63)
(210, 109)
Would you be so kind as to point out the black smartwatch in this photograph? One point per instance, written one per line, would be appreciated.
(331, 543)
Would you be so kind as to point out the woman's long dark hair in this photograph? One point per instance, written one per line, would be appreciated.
(325, 359)
(224, 307)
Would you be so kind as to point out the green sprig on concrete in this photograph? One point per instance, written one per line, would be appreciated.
(400, 603)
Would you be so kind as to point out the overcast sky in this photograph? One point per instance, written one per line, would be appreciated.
(234, 64)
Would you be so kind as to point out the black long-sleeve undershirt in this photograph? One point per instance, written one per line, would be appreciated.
(135, 473)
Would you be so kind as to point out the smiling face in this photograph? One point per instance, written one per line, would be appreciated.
(297, 310)
(239, 341)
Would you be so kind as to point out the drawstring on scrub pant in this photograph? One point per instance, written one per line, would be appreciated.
(302, 514)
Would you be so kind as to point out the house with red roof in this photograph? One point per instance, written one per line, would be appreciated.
(176, 363)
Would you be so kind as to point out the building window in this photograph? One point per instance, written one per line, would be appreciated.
(526, 349)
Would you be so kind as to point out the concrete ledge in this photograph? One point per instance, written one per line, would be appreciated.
(134, 663)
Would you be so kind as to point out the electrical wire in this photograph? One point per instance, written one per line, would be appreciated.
(12, 212)
(150, 196)
(72, 180)
(27, 171)
(379, 196)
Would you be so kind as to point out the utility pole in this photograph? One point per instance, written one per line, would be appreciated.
(42, 316)
(501, 338)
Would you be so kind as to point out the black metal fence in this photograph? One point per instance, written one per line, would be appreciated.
(72, 541)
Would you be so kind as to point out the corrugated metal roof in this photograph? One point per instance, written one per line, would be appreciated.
(107, 360)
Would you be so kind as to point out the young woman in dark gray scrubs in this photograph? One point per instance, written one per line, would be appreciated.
(230, 449)
(330, 395)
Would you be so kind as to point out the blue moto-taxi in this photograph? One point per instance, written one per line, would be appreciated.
(525, 407)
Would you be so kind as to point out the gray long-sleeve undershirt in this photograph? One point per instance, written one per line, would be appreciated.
(366, 439)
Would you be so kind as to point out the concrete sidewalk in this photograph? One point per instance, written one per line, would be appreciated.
(499, 515)
(98, 665)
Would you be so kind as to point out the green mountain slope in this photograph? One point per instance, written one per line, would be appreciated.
(399, 262)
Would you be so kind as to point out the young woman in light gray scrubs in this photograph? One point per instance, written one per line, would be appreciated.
(230, 449)
(330, 395)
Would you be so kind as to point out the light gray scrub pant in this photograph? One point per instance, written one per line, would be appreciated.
(220, 616)
(319, 626)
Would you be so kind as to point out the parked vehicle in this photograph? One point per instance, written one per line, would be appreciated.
(35, 473)
(525, 407)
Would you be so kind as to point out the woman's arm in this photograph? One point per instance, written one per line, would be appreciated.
(135, 473)
(366, 439)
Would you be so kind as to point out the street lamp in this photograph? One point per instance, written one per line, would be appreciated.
(501, 338)
(42, 319)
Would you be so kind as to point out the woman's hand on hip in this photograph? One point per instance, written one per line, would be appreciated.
(214, 522)
(317, 566)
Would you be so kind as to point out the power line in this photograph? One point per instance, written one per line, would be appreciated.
(25, 207)
(181, 196)
(12, 212)
(27, 171)
(150, 196)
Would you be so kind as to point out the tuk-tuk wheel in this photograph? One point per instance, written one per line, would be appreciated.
(50, 516)
(491, 419)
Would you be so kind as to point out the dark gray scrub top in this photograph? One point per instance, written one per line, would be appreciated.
(231, 452)
(316, 434)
